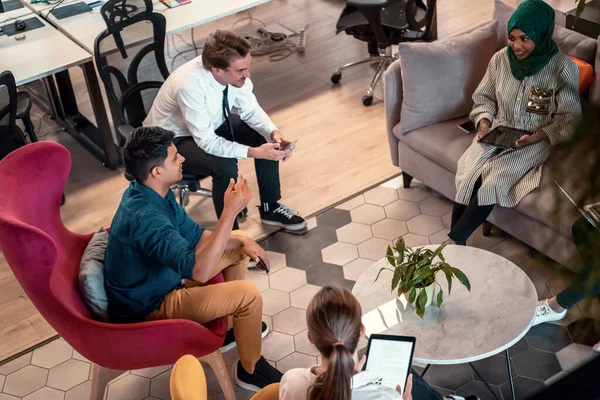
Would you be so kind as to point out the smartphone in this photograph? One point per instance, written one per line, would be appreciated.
(291, 145)
(260, 266)
(390, 358)
(468, 127)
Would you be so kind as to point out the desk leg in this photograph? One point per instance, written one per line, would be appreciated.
(483, 380)
(97, 139)
(510, 377)
(425, 370)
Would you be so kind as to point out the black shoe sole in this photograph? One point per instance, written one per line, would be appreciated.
(288, 227)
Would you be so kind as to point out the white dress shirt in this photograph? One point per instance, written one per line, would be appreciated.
(190, 103)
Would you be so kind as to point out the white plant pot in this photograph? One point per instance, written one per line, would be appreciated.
(429, 290)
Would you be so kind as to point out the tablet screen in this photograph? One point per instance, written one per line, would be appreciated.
(390, 357)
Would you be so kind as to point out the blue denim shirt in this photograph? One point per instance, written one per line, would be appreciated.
(151, 247)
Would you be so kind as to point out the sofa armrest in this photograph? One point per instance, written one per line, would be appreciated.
(393, 97)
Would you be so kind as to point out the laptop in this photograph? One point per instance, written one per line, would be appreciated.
(591, 212)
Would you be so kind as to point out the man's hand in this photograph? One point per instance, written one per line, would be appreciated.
(408, 391)
(277, 137)
(483, 128)
(527, 140)
(268, 151)
(237, 195)
(254, 251)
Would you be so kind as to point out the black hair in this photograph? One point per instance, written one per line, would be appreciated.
(146, 148)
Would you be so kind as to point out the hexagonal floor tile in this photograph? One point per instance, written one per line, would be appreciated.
(304, 258)
(80, 392)
(240, 394)
(354, 269)
(354, 233)
(333, 218)
(574, 355)
(447, 220)
(159, 385)
(130, 387)
(373, 249)
(25, 381)
(68, 374)
(536, 364)
(328, 274)
(303, 345)
(352, 203)
(476, 388)
(300, 298)
(451, 377)
(277, 345)
(277, 261)
(414, 240)
(151, 372)
(439, 237)
(402, 210)
(367, 214)
(311, 223)
(296, 360)
(539, 269)
(558, 284)
(381, 196)
(493, 369)
(2, 379)
(389, 229)
(318, 238)
(52, 354)
(260, 279)
(512, 250)
(339, 253)
(583, 331)
(287, 280)
(46, 393)
(436, 206)
(394, 183)
(281, 242)
(424, 225)
(275, 301)
(548, 337)
(416, 192)
(15, 364)
(524, 387)
(290, 321)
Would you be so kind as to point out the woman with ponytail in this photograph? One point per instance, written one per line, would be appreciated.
(334, 326)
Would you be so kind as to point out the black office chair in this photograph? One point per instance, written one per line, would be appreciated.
(11, 136)
(383, 23)
(130, 59)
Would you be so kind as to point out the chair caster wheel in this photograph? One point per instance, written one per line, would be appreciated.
(243, 213)
(367, 100)
(335, 77)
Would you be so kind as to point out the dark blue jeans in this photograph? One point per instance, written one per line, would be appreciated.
(587, 282)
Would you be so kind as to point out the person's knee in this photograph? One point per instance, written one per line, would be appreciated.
(226, 168)
(251, 292)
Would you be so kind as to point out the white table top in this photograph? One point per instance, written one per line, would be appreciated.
(84, 28)
(468, 327)
(43, 52)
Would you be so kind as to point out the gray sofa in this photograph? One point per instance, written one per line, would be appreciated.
(430, 153)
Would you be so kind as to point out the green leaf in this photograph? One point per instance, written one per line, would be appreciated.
(440, 297)
(462, 278)
(400, 247)
(381, 270)
(411, 295)
(580, 6)
(422, 274)
(448, 272)
(421, 301)
(396, 278)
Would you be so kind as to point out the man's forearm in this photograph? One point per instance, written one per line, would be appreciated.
(210, 250)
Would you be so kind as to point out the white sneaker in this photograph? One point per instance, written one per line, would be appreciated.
(544, 313)
(597, 347)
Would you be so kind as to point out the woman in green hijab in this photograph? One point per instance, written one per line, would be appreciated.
(531, 86)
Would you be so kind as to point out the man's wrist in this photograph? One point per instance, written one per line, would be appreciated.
(252, 152)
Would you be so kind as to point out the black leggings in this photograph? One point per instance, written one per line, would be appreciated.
(466, 219)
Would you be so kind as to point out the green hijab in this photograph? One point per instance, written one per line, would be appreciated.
(536, 19)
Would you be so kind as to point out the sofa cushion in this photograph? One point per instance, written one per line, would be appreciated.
(443, 143)
(91, 276)
(439, 78)
(569, 42)
(586, 74)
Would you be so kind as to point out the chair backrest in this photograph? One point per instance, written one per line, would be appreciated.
(131, 52)
(420, 15)
(32, 236)
(11, 136)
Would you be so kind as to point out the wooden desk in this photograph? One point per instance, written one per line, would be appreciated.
(47, 54)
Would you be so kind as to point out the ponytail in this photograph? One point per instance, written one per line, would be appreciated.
(336, 382)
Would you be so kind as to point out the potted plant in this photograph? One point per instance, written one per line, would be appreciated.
(415, 271)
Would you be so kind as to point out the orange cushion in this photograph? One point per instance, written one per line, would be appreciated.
(586, 73)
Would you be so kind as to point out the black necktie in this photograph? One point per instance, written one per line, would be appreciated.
(226, 112)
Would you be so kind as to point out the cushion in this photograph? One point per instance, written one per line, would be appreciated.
(586, 74)
(91, 276)
(569, 42)
(443, 143)
(439, 78)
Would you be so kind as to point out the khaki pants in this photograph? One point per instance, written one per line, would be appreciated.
(235, 297)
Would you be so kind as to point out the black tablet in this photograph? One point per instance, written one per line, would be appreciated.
(504, 137)
(390, 357)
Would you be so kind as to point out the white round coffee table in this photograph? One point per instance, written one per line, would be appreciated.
(469, 326)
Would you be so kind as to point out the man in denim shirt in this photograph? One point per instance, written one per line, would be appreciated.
(157, 257)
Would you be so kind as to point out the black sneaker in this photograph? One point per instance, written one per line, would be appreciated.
(264, 374)
(283, 217)
(229, 342)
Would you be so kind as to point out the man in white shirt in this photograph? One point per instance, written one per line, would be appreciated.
(195, 103)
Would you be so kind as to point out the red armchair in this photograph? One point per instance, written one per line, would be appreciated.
(44, 256)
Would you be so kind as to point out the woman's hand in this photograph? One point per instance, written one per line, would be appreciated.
(483, 128)
(527, 140)
(408, 391)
